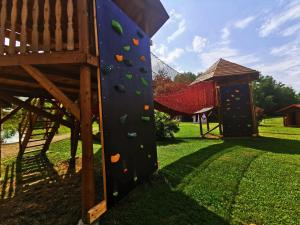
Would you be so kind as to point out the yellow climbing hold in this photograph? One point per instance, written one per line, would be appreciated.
(135, 41)
(146, 107)
(119, 58)
(115, 158)
(143, 58)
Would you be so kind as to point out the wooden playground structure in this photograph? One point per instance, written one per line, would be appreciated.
(50, 66)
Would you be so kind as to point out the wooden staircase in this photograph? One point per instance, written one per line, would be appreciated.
(35, 132)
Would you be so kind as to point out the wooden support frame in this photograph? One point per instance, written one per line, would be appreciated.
(16, 101)
(53, 90)
(10, 115)
(88, 180)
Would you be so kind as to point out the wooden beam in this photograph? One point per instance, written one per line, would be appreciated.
(53, 90)
(88, 182)
(93, 214)
(0, 142)
(200, 123)
(71, 57)
(11, 114)
(16, 101)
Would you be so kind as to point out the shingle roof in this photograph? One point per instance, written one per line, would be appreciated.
(296, 106)
(223, 68)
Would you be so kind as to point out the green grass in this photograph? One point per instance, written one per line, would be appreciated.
(209, 182)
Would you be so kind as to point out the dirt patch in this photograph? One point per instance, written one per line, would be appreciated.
(40, 193)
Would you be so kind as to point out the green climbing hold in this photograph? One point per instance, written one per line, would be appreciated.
(138, 93)
(135, 178)
(127, 48)
(144, 81)
(141, 147)
(128, 62)
(129, 76)
(115, 193)
(143, 70)
(132, 134)
(120, 88)
(140, 34)
(146, 118)
(149, 156)
(123, 118)
(117, 26)
(107, 69)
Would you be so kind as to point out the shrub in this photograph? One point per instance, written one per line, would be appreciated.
(165, 126)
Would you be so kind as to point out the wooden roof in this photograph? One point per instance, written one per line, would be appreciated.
(289, 108)
(150, 15)
(223, 68)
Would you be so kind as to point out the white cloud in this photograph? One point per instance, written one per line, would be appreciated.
(225, 33)
(291, 12)
(241, 24)
(291, 30)
(179, 20)
(166, 55)
(199, 43)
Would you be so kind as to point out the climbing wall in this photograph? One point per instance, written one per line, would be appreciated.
(236, 111)
(127, 101)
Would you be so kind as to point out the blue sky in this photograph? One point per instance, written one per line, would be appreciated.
(261, 34)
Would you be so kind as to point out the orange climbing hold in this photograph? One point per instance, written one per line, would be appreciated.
(143, 58)
(135, 41)
(146, 107)
(119, 58)
(115, 158)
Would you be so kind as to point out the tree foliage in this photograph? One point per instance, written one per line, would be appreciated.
(163, 84)
(272, 95)
(165, 126)
(185, 78)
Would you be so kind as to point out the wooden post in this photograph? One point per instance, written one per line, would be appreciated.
(0, 140)
(207, 122)
(200, 123)
(74, 140)
(253, 113)
(88, 182)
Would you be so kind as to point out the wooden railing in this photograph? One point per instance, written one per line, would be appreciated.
(39, 26)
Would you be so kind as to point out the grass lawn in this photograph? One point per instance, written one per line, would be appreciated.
(214, 182)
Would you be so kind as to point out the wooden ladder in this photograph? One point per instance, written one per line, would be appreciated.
(35, 132)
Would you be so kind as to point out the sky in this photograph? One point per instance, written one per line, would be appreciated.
(261, 34)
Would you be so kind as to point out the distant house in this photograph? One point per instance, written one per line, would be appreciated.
(291, 115)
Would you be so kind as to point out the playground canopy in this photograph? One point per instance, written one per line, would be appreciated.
(189, 100)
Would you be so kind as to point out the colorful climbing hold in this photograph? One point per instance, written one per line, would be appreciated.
(146, 107)
(107, 69)
(117, 26)
(123, 118)
(143, 70)
(149, 156)
(132, 134)
(138, 93)
(140, 34)
(135, 178)
(115, 194)
(146, 118)
(120, 88)
(143, 58)
(127, 48)
(115, 158)
(125, 170)
(141, 147)
(237, 99)
(128, 62)
(129, 76)
(119, 58)
(144, 81)
(135, 41)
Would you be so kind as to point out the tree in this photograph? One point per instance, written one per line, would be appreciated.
(185, 78)
(163, 84)
(272, 95)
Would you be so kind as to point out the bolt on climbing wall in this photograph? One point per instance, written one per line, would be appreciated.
(127, 101)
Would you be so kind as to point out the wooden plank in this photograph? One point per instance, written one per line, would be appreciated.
(24, 15)
(12, 36)
(83, 24)
(3, 15)
(48, 58)
(35, 25)
(96, 212)
(88, 182)
(53, 90)
(46, 33)
(58, 30)
(70, 29)
(8, 98)
(0, 141)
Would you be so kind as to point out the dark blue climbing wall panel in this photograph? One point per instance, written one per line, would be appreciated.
(236, 111)
(127, 101)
